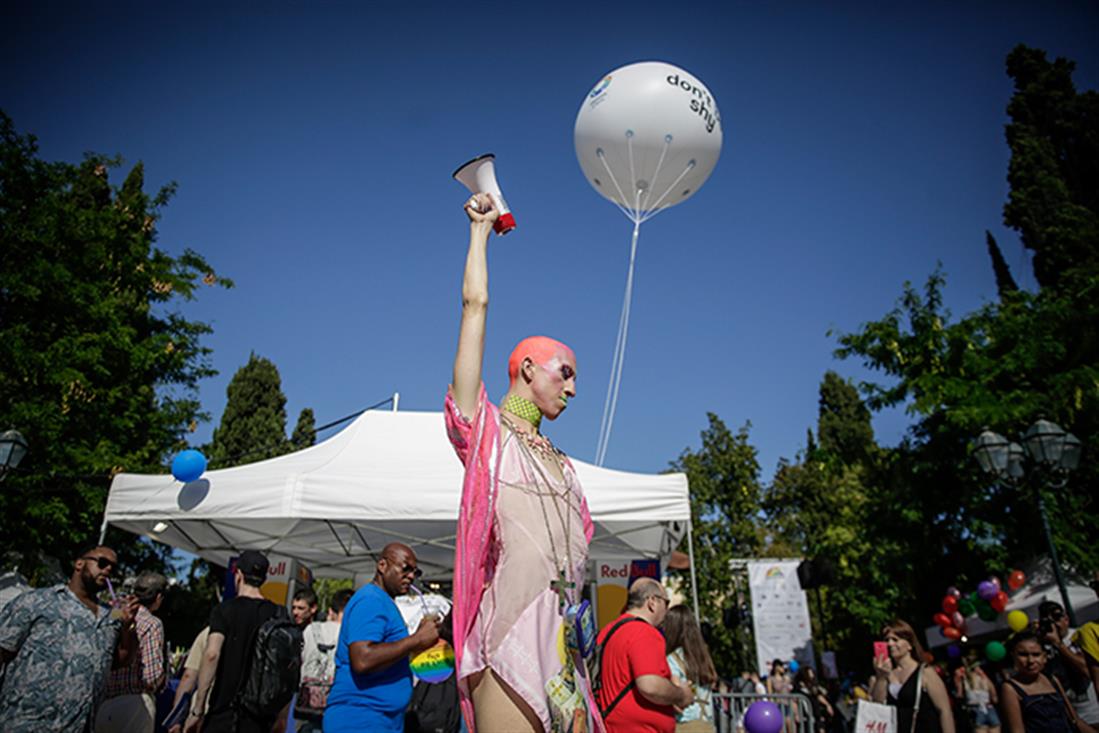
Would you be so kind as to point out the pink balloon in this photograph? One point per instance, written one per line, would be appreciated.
(958, 619)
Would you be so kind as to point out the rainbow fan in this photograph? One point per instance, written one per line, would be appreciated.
(435, 664)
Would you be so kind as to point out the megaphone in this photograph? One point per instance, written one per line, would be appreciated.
(479, 176)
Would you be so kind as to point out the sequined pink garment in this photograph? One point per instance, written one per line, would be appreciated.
(517, 527)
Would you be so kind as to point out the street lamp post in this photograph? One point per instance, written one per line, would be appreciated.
(12, 449)
(1054, 453)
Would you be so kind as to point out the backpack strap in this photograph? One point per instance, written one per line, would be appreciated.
(606, 640)
(1068, 705)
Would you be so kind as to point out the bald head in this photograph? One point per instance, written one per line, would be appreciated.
(398, 551)
(397, 569)
(539, 349)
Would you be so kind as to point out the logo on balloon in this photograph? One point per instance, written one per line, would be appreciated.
(600, 87)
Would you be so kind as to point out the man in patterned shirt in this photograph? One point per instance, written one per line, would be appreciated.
(58, 644)
(130, 706)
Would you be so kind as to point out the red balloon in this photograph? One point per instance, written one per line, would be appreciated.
(952, 633)
(942, 619)
(950, 604)
(1016, 579)
(999, 602)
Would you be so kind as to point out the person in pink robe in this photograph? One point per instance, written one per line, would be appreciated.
(523, 528)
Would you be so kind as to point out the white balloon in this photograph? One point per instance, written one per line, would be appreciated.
(648, 136)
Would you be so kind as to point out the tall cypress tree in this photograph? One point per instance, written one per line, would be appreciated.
(1005, 283)
(844, 426)
(1054, 169)
(305, 432)
(253, 426)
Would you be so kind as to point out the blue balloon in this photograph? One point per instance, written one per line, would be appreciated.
(763, 717)
(793, 666)
(188, 465)
(954, 651)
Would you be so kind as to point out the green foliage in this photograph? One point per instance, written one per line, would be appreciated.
(1054, 169)
(1001, 367)
(100, 368)
(725, 500)
(827, 505)
(253, 426)
(325, 588)
(305, 432)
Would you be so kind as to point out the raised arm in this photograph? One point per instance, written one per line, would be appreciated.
(471, 335)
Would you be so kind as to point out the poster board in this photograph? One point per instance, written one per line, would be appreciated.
(780, 613)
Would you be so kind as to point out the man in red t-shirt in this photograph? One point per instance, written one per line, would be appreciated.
(635, 668)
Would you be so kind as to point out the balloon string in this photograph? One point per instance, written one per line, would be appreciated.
(633, 176)
(660, 200)
(632, 216)
(610, 406)
(656, 176)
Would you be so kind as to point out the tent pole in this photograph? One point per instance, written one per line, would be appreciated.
(694, 572)
(103, 530)
(396, 400)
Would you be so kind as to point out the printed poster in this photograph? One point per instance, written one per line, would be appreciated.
(780, 613)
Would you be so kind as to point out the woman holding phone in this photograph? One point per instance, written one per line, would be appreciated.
(902, 680)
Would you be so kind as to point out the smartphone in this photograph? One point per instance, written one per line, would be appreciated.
(881, 651)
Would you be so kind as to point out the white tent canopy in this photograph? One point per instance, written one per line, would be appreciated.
(389, 476)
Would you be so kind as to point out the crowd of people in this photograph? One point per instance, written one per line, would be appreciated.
(76, 660)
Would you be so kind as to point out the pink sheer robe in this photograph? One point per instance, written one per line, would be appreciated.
(506, 615)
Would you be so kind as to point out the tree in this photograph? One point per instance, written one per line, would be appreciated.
(253, 425)
(1005, 283)
(305, 432)
(100, 369)
(725, 501)
(828, 506)
(1054, 169)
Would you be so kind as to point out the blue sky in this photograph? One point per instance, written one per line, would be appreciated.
(313, 146)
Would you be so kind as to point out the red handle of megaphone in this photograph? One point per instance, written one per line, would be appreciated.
(504, 224)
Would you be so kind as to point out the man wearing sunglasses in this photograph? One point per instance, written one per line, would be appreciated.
(58, 644)
(373, 679)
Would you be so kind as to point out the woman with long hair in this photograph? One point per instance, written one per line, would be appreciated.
(980, 698)
(1032, 702)
(778, 682)
(902, 680)
(806, 684)
(689, 660)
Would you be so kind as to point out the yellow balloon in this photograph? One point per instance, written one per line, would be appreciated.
(1017, 620)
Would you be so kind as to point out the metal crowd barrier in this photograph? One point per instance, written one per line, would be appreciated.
(729, 709)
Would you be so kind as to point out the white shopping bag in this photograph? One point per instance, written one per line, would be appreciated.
(875, 718)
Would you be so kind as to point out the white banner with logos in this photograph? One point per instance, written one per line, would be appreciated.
(780, 613)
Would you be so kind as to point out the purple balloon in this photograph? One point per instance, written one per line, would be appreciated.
(986, 590)
(954, 651)
(763, 717)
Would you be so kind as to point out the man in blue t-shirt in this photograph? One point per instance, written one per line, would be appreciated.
(373, 680)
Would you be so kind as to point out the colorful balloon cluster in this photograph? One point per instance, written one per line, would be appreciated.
(987, 602)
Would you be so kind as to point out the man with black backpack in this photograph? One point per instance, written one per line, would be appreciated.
(252, 662)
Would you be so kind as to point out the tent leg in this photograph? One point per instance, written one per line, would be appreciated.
(396, 400)
(694, 571)
(103, 531)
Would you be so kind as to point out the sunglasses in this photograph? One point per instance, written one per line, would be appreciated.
(100, 561)
(412, 570)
